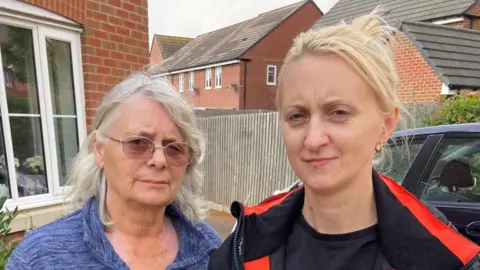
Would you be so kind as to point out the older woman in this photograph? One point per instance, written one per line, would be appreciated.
(136, 179)
(338, 106)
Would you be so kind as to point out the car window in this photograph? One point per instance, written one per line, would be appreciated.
(399, 157)
(456, 173)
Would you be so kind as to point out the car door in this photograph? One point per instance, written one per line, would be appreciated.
(449, 179)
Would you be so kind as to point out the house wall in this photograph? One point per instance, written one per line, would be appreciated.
(271, 51)
(114, 41)
(156, 56)
(418, 81)
(221, 98)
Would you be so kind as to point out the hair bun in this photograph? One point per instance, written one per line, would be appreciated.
(374, 25)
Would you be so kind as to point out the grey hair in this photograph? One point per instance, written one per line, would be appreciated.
(88, 180)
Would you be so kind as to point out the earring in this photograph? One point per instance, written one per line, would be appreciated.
(378, 147)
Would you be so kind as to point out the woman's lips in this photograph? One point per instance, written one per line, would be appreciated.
(319, 162)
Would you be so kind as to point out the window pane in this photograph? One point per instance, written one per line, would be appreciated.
(67, 145)
(4, 183)
(19, 65)
(400, 158)
(28, 149)
(61, 77)
(456, 174)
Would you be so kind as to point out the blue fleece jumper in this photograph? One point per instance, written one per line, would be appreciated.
(78, 241)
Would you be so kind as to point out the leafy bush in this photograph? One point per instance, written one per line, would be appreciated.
(461, 108)
(6, 246)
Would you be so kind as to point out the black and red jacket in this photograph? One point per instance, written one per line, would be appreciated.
(411, 236)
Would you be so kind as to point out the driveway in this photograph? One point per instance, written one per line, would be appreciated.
(221, 222)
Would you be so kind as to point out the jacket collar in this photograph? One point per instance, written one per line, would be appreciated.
(193, 244)
(405, 241)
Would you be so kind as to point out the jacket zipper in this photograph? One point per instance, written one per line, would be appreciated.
(236, 247)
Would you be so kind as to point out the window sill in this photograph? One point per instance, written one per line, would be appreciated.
(34, 202)
(217, 88)
(271, 84)
(35, 214)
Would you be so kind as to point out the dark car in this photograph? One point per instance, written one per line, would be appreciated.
(441, 166)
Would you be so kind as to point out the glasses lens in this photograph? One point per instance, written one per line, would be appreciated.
(178, 154)
(137, 147)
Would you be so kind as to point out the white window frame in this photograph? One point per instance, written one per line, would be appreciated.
(191, 81)
(208, 78)
(218, 77)
(41, 31)
(274, 74)
(181, 82)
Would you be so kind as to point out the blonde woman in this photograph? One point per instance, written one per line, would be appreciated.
(337, 107)
(136, 179)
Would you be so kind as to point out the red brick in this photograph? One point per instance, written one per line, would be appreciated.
(121, 13)
(123, 31)
(102, 52)
(92, 5)
(95, 60)
(93, 24)
(116, 38)
(109, 28)
(129, 7)
(115, 3)
(129, 24)
(131, 58)
(130, 41)
(94, 78)
(110, 62)
(100, 34)
(137, 2)
(109, 10)
(136, 18)
(117, 55)
(95, 42)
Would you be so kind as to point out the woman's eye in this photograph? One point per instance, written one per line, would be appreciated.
(137, 141)
(295, 117)
(340, 113)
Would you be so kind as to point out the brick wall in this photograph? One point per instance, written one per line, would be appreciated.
(222, 98)
(114, 41)
(74, 10)
(418, 81)
(272, 50)
(155, 54)
(475, 9)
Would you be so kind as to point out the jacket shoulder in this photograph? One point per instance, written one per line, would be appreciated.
(220, 259)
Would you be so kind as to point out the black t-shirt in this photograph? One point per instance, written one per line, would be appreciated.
(308, 249)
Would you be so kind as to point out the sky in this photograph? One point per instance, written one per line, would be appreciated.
(190, 18)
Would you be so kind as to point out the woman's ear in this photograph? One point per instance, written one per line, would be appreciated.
(98, 151)
(390, 124)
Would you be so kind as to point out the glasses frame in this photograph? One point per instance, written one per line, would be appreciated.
(152, 150)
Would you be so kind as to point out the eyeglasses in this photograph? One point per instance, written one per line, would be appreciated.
(141, 148)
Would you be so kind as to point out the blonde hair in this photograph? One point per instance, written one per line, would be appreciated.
(87, 180)
(366, 45)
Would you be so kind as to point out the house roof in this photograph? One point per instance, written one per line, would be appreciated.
(395, 10)
(170, 44)
(453, 53)
(228, 43)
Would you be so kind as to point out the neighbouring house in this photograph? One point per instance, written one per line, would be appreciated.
(236, 67)
(59, 57)
(165, 46)
(437, 50)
